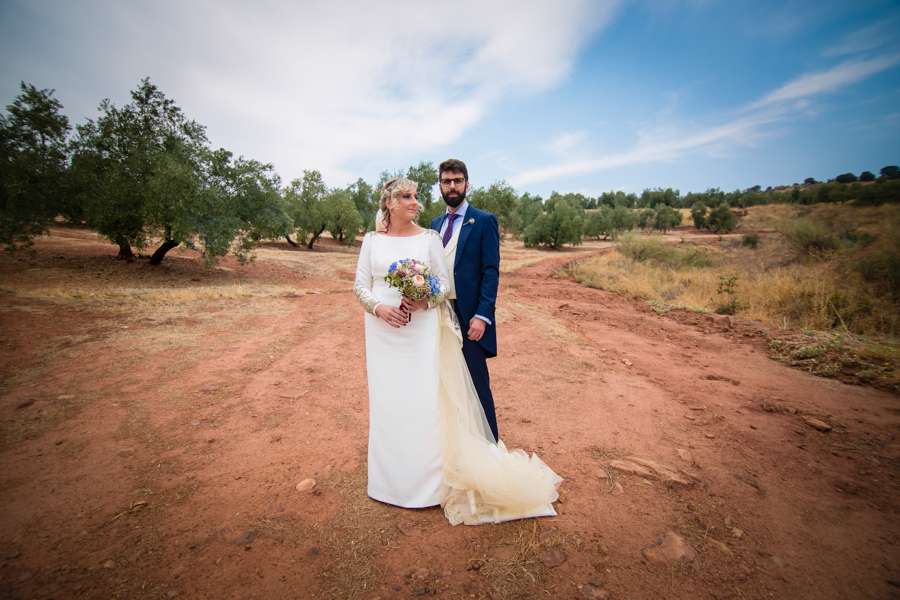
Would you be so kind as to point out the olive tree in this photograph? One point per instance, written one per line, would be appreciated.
(306, 205)
(146, 172)
(33, 166)
(564, 224)
(500, 199)
(343, 221)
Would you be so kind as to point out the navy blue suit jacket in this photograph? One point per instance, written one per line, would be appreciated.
(476, 271)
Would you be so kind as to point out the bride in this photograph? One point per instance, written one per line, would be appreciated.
(429, 441)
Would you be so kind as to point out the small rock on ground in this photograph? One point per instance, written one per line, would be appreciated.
(306, 484)
(246, 538)
(719, 546)
(672, 548)
(553, 557)
(593, 593)
(818, 425)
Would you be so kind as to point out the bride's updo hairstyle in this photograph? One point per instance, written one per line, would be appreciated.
(393, 188)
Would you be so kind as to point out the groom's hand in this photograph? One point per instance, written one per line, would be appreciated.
(476, 329)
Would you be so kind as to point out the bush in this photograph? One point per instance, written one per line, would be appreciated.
(721, 217)
(563, 225)
(728, 287)
(882, 267)
(652, 250)
(750, 240)
(698, 215)
(807, 236)
(641, 249)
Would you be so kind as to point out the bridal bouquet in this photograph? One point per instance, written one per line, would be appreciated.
(413, 279)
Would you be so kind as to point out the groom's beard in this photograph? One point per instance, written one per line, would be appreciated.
(454, 201)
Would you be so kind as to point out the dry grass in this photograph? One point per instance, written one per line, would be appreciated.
(781, 287)
(42, 416)
(554, 327)
(521, 575)
(514, 255)
(770, 287)
(115, 298)
(764, 218)
(354, 536)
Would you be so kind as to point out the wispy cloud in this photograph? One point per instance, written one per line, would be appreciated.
(844, 74)
(749, 125)
(875, 36)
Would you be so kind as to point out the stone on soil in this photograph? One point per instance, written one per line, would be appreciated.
(652, 470)
(818, 425)
(719, 546)
(593, 594)
(672, 548)
(245, 538)
(630, 468)
(553, 557)
(306, 485)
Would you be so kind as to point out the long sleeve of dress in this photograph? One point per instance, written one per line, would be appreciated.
(362, 287)
(438, 268)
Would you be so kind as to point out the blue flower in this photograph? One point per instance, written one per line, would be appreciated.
(434, 284)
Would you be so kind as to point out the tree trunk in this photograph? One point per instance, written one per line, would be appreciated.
(161, 251)
(314, 238)
(125, 252)
(291, 242)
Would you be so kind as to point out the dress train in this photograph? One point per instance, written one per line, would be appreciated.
(483, 482)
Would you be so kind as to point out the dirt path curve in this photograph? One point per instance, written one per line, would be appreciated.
(151, 426)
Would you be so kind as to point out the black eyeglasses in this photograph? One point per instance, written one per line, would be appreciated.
(459, 181)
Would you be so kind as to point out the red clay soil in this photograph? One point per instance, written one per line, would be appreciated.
(140, 450)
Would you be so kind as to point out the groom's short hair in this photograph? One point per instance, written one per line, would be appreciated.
(454, 164)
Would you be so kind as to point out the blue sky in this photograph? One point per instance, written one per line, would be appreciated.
(573, 95)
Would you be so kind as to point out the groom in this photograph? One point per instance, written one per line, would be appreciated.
(471, 240)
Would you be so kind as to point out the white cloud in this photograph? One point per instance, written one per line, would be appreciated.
(568, 143)
(316, 84)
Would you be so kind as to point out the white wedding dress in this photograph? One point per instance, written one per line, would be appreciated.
(429, 442)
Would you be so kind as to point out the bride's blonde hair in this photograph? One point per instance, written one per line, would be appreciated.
(392, 188)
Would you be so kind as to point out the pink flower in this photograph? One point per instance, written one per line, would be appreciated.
(418, 281)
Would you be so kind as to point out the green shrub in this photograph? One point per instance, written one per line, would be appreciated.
(698, 215)
(750, 239)
(652, 250)
(728, 288)
(881, 268)
(807, 236)
(721, 217)
(641, 248)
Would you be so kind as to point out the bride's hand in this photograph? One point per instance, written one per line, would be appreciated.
(412, 306)
(391, 315)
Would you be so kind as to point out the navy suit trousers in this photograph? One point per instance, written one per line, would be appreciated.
(476, 360)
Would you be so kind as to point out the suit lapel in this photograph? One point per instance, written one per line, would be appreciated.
(464, 231)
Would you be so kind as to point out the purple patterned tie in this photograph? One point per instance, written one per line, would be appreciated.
(449, 231)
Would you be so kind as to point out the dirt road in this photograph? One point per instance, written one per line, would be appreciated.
(157, 423)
